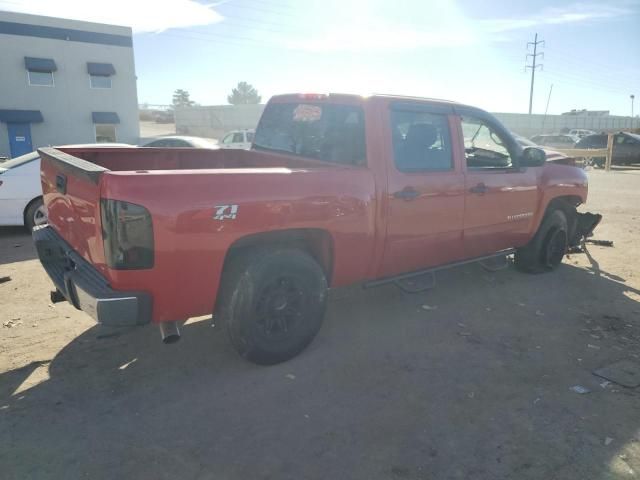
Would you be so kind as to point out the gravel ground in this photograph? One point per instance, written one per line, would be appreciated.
(474, 386)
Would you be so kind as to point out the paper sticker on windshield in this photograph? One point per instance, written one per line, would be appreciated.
(307, 113)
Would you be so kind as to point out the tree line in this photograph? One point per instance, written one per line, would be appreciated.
(243, 94)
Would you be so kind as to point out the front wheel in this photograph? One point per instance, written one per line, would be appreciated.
(547, 248)
(272, 303)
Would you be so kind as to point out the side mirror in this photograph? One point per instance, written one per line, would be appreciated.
(533, 157)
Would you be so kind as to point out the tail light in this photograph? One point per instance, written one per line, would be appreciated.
(127, 234)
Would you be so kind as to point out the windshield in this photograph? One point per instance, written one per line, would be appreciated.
(21, 160)
(328, 132)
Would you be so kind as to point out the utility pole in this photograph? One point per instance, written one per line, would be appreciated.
(544, 119)
(632, 96)
(533, 65)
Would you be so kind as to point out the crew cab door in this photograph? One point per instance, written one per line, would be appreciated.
(425, 194)
(500, 197)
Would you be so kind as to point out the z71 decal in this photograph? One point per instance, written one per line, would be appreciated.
(226, 212)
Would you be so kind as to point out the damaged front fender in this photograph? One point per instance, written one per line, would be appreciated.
(585, 225)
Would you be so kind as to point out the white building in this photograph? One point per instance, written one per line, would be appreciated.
(63, 82)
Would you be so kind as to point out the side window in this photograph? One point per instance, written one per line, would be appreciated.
(483, 147)
(421, 141)
(238, 137)
(228, 139)
(249, 136)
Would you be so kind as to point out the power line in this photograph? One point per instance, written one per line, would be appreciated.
(534, 56)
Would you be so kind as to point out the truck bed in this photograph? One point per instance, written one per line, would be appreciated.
(190, 195)
(133, 158)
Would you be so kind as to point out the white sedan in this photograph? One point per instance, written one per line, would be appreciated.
(21, 192)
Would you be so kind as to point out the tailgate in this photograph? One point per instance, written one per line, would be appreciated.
(71, 192)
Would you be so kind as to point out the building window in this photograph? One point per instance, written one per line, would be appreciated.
(40, 79)
(99, 81)
(105, 133)
(40, 71)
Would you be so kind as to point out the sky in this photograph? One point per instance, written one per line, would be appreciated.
(468, 51)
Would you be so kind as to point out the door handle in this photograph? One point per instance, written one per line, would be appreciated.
(480, 188)
(406, 194)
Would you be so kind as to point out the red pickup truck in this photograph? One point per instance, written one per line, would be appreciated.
(336, 189)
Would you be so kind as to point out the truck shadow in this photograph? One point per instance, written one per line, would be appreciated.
(16, 245)
(387, 390)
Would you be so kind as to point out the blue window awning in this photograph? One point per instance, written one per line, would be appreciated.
(101, 69)
(105, 117)
(21, 116)
(40, 64)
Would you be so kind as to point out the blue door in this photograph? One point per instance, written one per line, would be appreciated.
(19, 138)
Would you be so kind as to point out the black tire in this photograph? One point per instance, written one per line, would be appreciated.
(272, 303)
(547, 248)
(35, 214)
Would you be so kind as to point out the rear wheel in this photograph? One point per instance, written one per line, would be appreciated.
(272, 303)
(547, 248)
(36, 214)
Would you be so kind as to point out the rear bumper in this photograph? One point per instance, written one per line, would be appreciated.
(84, 287)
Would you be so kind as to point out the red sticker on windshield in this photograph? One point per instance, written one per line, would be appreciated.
(307, 113)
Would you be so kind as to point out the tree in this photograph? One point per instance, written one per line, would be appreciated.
(181, 99)
(244, 94)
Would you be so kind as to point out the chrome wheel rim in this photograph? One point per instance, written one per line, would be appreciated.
(40, 216)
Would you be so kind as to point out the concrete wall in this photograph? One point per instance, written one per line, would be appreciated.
(214, 121)
(529, 125)
(67, 106)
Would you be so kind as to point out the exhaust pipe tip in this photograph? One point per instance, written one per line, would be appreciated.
(169, 332)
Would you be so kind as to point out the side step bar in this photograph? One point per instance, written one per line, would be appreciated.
(404, 276)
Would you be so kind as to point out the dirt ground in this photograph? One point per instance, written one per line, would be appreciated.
(474, 386)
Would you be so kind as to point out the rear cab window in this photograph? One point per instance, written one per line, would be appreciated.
(329, 132)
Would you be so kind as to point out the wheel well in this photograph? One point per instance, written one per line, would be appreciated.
(24, 213)
(567, 204)
(316, 242)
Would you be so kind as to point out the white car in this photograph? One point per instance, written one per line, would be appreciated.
(240, 139)
(182, 141)
(21, 192)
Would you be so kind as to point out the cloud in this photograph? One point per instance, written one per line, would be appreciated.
(573, 13)
(374, 31)
(140, 15)
(380, 38)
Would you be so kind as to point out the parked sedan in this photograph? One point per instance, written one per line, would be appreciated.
(626, 147)
(21, 192)
(182, 141)
(555, 140)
